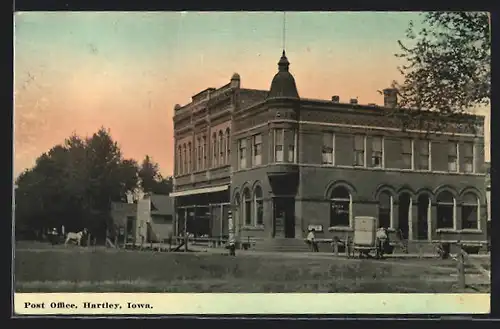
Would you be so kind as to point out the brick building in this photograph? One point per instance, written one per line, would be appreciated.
(284, 163)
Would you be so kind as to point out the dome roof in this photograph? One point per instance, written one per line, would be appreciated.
(235, 76)
(283, 84)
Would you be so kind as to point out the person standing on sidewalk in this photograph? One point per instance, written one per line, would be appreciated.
(311, 240)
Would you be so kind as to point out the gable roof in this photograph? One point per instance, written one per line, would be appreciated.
(162, 205)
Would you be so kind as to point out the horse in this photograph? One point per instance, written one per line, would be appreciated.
(77, 237)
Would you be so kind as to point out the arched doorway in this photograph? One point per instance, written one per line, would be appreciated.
(404, 214)
(423, 217)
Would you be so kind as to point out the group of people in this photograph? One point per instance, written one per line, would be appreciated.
(381, 240)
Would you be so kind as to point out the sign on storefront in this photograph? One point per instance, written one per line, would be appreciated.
(316, 228)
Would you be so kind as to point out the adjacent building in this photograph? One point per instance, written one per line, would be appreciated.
(283, 164)
(151, 217)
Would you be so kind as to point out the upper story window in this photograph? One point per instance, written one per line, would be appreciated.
(179, 160)
(278, 145)
(222, 148)
(407, 153)
(204, 152)
(452, 156)
(327, 153)
(242, 153)
(189, 157)
(424, 160)
(198, 155)
(359, 150)
(257, 150)
(185, 166)
(291, 146)
(214, 150)
(228, 145)
(377, 152)
(468, 157)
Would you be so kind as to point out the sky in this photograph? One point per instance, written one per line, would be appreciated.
(77, 71)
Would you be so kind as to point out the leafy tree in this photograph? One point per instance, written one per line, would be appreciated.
(447, 66)
(149, 174)
(74, 184)
(151, 179)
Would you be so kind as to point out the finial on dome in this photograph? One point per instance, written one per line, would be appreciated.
(283, 64)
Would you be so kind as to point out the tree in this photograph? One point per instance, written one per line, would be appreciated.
(74, 184)
(149, 174)
(447, 66)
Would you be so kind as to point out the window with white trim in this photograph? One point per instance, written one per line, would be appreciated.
(452, 156)
(470, 212)
(445, 210)
(359, 150)
(327, 152)
(340, 207)
(257, 150)
(423, 155)
(407, 153)
(242, 153)
(468, 157)
(377, 151)
(278, 145)
(258, 206)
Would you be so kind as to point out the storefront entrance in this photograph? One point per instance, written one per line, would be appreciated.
(284, 217)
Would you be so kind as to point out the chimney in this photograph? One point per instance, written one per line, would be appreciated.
(335, 99)
(353, 101)
(390, 97)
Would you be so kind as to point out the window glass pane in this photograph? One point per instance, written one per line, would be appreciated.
(359, 142)
(377, 144)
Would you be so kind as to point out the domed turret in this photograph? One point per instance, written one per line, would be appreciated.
(283, 84)
(235, 80)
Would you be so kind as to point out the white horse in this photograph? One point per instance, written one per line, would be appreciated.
(77, 237)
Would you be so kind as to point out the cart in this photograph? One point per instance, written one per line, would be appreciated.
(364, 241)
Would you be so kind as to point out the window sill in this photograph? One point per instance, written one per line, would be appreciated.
(447, 230)
(340, 229)
(253, 228)
(471, 230)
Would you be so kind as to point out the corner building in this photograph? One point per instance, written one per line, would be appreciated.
(283, 164)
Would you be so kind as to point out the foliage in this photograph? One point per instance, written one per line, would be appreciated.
(74, 184)
(447, 66)
(151, 179)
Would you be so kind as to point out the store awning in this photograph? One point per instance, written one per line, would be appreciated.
(200, 191)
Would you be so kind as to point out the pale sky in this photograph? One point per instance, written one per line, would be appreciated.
(78, 71)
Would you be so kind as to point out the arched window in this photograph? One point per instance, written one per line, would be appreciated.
(247, 207)
(179, 160)
(385, 210)
(228, 145)
(190, 155)
(258, 205)
(445, 210)
(340, 207)
(470, 212)
(222, 149)
(185, 166)
(214, 149)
